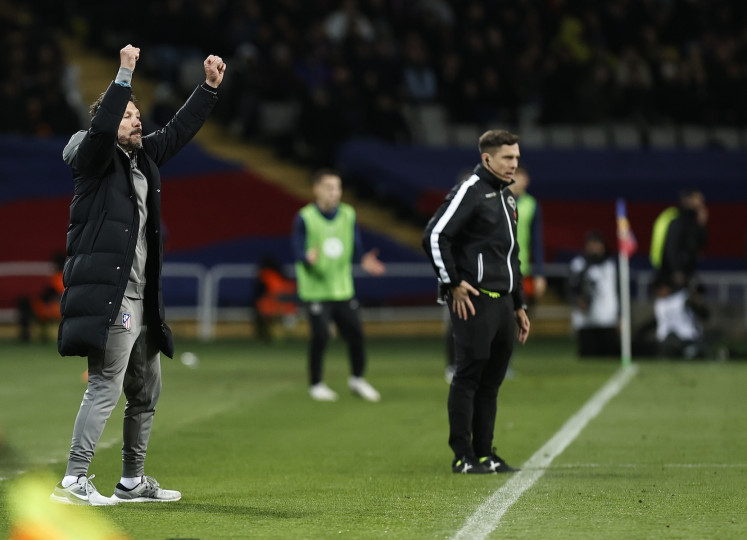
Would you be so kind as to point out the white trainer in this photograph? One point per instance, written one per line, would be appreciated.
(321, 392)
(146, 491)
(360, 387)
(82, 492)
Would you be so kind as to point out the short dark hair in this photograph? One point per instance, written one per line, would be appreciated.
(595, 235)
(494, 139)
(688, 192)
(93, 109)
(321, 173)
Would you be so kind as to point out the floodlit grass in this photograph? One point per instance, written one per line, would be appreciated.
(255, 458)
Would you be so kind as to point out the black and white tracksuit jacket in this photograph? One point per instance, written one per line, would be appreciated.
(472, 237)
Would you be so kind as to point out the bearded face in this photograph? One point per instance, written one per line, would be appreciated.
(130, 131)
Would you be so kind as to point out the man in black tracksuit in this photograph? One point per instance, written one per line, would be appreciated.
(471, 242)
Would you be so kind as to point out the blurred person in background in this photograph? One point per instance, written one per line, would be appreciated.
(530, 238)
(679, 235)
(326, 241)
(274, 298)
(470, 241)
(45, 307)
(680, 315)
(595, 305)
(112, 305)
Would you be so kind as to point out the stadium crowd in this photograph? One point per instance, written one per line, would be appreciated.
(348, 67)
(37, 90)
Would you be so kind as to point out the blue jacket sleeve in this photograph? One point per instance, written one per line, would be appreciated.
(538, 244)
(298, 239)
(358, 249)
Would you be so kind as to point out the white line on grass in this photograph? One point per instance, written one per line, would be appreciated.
(649, 465)
(488, 516)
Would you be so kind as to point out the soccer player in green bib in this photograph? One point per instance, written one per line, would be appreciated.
(326, 241)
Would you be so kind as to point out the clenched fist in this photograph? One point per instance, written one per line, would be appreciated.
(215, 67)
(129, 56)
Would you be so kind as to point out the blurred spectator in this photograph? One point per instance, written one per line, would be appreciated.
(530, 237)
(245, 87)
(387, 122)
(593, 62)
(680, 315)
(419, 75)
(164, 107)
(347, 22)
(634, 81)
(43, 308)
(594, 299)
(34, 94)
(679, 234)
(274, 299)
(319, 131)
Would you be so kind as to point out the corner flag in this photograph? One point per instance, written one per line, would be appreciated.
(626, 242)
(626, 246)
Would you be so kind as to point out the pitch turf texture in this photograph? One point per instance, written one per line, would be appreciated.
(255, 458)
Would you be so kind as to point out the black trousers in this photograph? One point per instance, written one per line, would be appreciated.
(346, 316)
(483, 345)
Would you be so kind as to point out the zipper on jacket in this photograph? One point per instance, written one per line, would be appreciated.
(479, 268)
(126, 275)
(513, 243)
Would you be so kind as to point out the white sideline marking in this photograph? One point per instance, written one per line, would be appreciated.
(486, 518)
(648, 465)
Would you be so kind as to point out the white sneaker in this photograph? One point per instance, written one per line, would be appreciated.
(360, 387)
(148, 490)
(322, 392)
(81, 492)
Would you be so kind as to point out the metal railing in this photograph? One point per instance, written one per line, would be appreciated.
(722, 287)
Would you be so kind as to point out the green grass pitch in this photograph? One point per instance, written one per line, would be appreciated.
(255, 458)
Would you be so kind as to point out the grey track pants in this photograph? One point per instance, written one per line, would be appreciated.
(131, 364)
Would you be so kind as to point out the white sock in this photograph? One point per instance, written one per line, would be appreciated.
(130, 483)
(69, 480)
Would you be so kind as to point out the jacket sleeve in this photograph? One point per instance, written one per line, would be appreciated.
(359, 249)
(517, 292)
(163, 144)
(443, 227)
(298, 239)
(96, 149)
(537, 243)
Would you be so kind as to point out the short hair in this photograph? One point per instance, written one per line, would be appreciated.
(93, 109)
(491, 140)
(321, 173)
(688, 192)
(595, 235)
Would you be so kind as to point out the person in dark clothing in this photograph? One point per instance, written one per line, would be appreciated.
(684, 239)
(679, 307)
(112, 306)
(471, 242)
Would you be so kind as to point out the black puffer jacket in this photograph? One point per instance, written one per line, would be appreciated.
(104, 220)
(472, 237)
